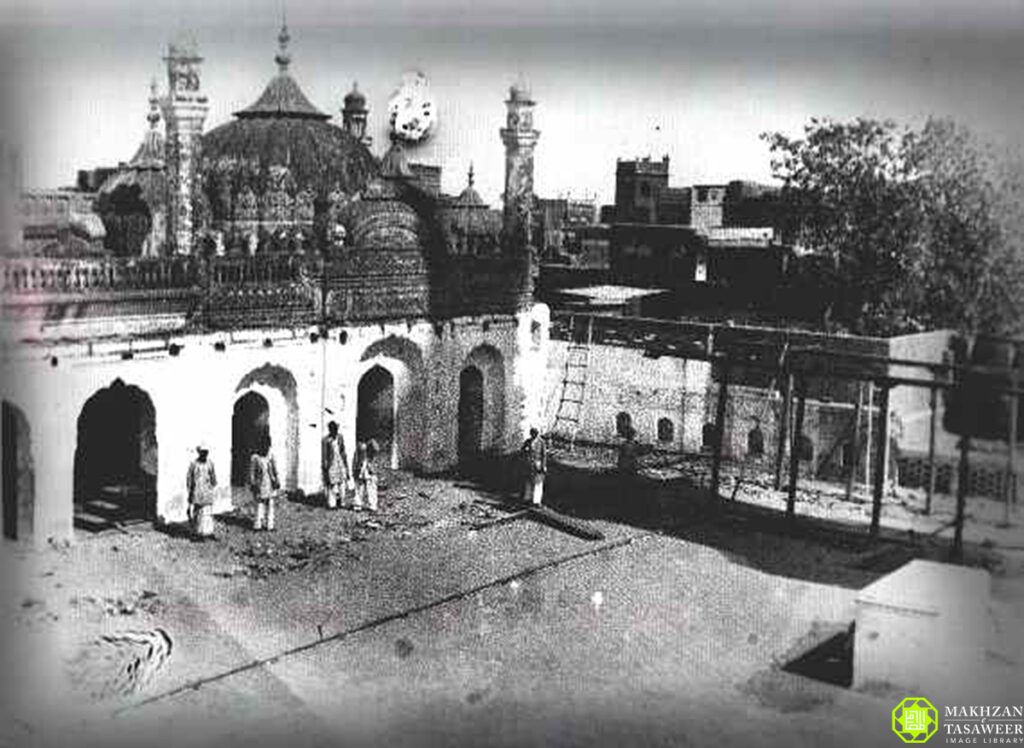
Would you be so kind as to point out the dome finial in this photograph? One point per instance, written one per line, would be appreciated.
(154, 105)
(470, 175)
(283, 58)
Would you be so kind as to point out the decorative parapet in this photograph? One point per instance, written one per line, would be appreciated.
(266, 290)
(41, 277)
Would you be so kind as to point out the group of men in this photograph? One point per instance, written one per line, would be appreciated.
(340, 483)
(355, 487)
(344, 486)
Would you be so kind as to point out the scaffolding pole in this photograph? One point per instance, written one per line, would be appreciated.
(931, 451)
(720, 411)
(879, 476)
(855, 451)
(794, 448)
(962, 486)
(783, 430)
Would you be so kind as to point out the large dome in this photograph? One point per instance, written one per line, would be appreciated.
(279, 166)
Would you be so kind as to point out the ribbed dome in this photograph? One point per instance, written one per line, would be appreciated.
(316, 154)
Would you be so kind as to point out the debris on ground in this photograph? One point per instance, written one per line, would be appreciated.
(144, 601)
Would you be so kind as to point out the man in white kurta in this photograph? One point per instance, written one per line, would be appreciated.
(201, 483)
(334, 467)
(264, 483)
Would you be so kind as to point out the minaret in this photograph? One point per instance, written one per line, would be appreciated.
(520, 139)
(354, 115)
(184, 113)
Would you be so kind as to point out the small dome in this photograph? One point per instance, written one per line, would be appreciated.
(382, 220)
(519, 91)
(355, 100)
(469, 197)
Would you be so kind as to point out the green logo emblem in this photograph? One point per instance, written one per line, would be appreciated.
(915, 720)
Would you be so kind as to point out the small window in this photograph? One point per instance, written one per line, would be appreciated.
(645, 189)
(623, 425)
(709, 435)
(535, 333)
(666, 430)
(847, 454)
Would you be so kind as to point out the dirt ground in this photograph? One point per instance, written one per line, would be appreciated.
(434, 612)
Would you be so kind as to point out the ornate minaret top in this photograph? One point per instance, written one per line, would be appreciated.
(184, 112)
(354, 115)
(520, 139)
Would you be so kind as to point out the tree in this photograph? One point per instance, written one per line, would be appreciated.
(921, 228)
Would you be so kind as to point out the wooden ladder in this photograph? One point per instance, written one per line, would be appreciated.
(574, 383)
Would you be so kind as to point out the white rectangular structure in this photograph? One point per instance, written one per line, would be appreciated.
(920, 624)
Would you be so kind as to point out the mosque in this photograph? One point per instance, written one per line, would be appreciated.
(266, 275)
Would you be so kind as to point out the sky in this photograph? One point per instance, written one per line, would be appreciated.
(698, 80)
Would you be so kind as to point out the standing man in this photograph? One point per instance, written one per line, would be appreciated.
(264, 485)
(364, 467)
(201, 482)
(535, 454)
(334, 467)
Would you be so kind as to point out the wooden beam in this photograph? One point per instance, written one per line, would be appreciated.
(962, 486)
(1011, 462)
(931, 451)
(794, 449)
(879, 476)
(568, 525)
(870, 433)
(855, 451)
(782, 430)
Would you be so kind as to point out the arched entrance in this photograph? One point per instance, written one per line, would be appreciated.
(115, 458)
(482, 395)
(375, 418)
(471, 416)
(266, 404)
(18, 474)
(250, 424)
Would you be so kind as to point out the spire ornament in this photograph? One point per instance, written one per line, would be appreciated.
(154, 106)
(283, 59)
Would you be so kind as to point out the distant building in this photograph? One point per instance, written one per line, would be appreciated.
(639, 186)
(555, 219)
(707, 209)
(59, 223)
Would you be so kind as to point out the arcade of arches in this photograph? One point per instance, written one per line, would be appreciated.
(99, 440)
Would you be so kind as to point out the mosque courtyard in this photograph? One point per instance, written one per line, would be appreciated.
(442, 621)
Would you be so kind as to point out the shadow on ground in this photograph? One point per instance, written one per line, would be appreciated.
(810, 549)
